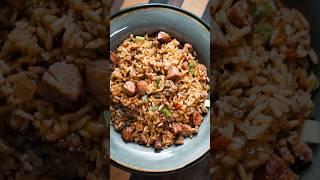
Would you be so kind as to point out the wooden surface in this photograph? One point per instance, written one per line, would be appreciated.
(197, 7)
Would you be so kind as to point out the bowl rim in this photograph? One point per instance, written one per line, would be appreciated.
(144, 5)
(207, 27)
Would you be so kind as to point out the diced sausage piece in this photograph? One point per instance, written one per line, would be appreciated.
(157, 145)
(239, 14)
(141, 87)
(129, 88)
(176, 128)
(185, 65)
(126, 134)
(180, 140)
(277, 169)
(173, 73)
(188, 47)
(113, 57)
(196, 118)
(187, 130)
(96, 73)
(62, 84)
(164, 37)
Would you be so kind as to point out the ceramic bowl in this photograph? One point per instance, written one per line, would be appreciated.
(185, 27)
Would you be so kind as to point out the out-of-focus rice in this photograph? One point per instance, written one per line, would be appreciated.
(261, 65)
(168, 108)
(39, 138)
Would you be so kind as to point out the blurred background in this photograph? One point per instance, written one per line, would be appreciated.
(200, 8)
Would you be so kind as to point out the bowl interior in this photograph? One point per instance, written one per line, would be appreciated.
(185, 28)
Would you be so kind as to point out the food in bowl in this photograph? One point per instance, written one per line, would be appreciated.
(262, 61)
(158, 89)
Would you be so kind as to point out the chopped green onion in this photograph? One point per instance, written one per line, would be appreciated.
(192, 71)
(158, 81)
(145, 98)
(166, 112)
(262, 33)
(192, 64)
(139, 38)
(264, 8)
(153, 108)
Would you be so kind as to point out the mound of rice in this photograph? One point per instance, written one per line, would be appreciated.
(158, 89)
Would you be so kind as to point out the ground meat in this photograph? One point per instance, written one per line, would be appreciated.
(126, 134)
(62, 84)
(239, 14)
(173, 73)
(129, 88)
(163, 37)
(141, 87)
(96, 74)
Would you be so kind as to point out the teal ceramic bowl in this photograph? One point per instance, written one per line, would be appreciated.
(185, 27)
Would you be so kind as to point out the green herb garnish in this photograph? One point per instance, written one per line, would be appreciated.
(139, 38)
(262, 33)
(158, 81)
(166, 112)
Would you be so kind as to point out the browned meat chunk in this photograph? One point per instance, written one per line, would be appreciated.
(277, 169)
(113, 57)
(126, 134)
(164, 37)
(185, 65)
(96, 73)
(196, 118)
(62, 84)
(157, 145)
(239, 14)
(129, 88)
(141, 87)
(173, 73)
(187, 130)
(176, 128)
(180, 140)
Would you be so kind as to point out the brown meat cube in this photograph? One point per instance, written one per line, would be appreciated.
(185, 65)
(187, 130)
(126, 134)
(157, 145)
(62, 84)
(176, 128)
(173, 73)
(277, 169)
(239, 14)
(72, 142)
(180, 140)
(113, 57)
(141, 87)
(96, 74)
(196, 118)
(129, 88)
(164, 37)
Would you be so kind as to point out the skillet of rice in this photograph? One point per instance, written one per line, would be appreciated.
(158, 90)
(263, 89)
